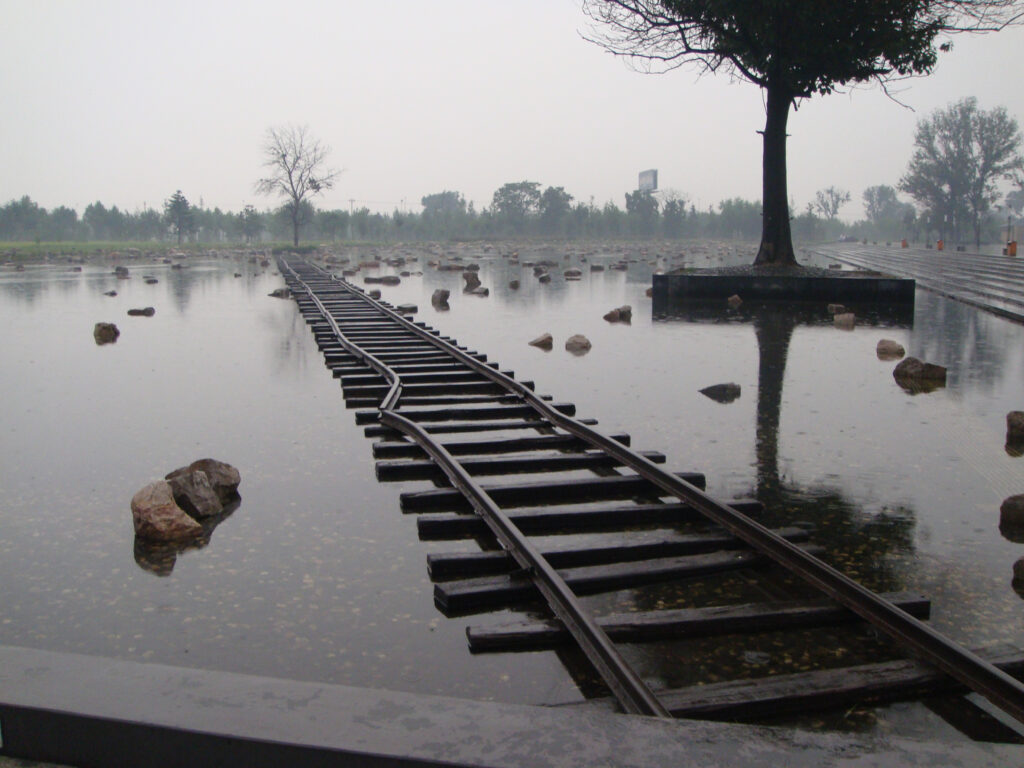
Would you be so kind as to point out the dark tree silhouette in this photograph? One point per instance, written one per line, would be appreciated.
(791, 49)
(298, 170)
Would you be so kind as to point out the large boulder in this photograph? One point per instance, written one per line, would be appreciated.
(158, 517)
(472, 280)
(222, 476)
(440, 298)
(105, 333)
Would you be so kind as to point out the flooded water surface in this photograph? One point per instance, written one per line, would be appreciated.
(317, 574)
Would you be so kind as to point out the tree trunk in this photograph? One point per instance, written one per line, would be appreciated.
(776, 239)
(295, 225)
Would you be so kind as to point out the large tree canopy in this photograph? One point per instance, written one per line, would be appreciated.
(792, 49)
(961, 153)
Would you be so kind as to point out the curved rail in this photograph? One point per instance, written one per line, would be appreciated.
(632, 693)
(931, 646)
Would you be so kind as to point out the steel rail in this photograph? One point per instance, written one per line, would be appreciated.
(629, 689)
(1003, 690)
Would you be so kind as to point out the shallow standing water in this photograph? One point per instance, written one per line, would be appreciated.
(317, 575)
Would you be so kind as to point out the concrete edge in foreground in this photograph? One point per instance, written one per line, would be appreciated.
(89, 711)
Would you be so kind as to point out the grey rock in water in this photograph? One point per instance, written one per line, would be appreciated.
(544, 341)
(888, 349)
(480, 291)
(1018, 572)
(440, 298)
(195, 494)
(513, 285)
(223, 477)
(374, 294)
(578, 344)
(722, 393)
(105, 333)
(110, 293)
(544, 278)
(144, 312)
(573, 274)
(158, 517)
(280, 293)
(407, 309)
(391, 280)
(1011, 512)
(623, 314)
(472, 281)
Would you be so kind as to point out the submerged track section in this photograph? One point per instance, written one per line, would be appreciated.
(418, 386)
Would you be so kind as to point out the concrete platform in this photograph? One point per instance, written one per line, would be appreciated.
(839, 287)
(86, 711)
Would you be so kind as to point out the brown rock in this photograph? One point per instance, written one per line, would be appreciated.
(844, 320)
(280, 293)
(374, 294)
(472, 280)
(836, 309)
(544, 341)
(734, 301)
(578, 344)
(1015, 426)
(440, 297)
(144, 312)
(157, 517)
(722, 393)
(105, 333)
(1011, 512)
(513, 285)
(912, 369)
(888, 349)
(1018, 572)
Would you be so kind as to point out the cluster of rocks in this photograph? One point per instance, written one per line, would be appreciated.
(577, 344)
(172, 509)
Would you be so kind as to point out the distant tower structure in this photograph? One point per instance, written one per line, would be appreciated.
(648, 181)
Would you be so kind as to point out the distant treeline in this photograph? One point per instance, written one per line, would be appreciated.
(520, 209)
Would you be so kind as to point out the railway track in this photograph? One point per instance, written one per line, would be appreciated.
(445, 413)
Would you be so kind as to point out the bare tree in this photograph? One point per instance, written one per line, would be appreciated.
(297, 165)
(828, 201)
(791, 49)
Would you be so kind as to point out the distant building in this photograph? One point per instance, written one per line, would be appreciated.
(648, 180)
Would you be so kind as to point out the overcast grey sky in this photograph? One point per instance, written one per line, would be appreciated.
(125, 102)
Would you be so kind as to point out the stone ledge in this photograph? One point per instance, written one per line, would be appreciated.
(749, 285)
(83, 710)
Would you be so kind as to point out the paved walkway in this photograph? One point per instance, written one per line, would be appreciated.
(993, 283)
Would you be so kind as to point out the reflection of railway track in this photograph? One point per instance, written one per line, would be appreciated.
(993, 283)
(446, 414)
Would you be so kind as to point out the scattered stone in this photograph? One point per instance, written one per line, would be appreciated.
(917, 376)
(105, 333)
(480, 291)
(597, 267)
(472, 281)
(888, 349)
(223, 477)
(623, 314)
(158, 517)
(844, 320)
(280, 293)
(121, 272)
(407, 309)
(144, 312)
(544, 341)
(440, 298)
(544, 278)
(734, 301)
(1011, 512)
(194, 493)
(391, 280)
(513, 285)
(573, 274)
(1015, 426)
(238, 274)
(151, 281)
(374, 294)
(836, 309)
(722, 393)
(578, 344)
(110, 293)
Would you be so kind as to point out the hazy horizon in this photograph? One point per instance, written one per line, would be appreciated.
(125, 103)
